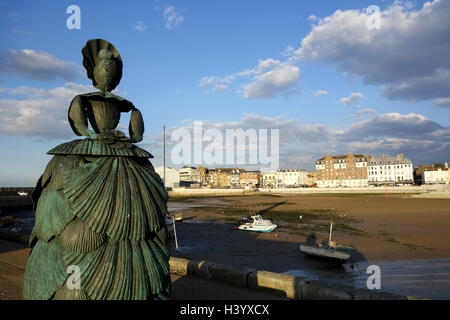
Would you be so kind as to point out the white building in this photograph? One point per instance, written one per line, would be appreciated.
(436, 176)
(189, 175)
(390, 170)
(270, 180)
(172, 176)
(293, 178)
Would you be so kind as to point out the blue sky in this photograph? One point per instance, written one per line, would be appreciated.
(311, 69)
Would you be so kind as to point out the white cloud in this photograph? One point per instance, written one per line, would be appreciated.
(43, 113)
(220, 87)
(205, 81)
(354, 97)
(316, 94)
(37, 65)
(407, 56)
(442, 102)
(419, 138)
(172, 17)
(268, 79)
(273, 82)
(312, 18)
(140, 26)
(363, 112)
(289, 51)
(410, 126)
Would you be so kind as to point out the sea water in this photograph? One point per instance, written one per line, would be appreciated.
(428, 278)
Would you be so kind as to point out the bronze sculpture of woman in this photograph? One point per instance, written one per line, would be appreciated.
(100, 206)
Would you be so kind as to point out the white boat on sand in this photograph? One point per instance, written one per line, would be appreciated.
(258, 224)
(330, 250)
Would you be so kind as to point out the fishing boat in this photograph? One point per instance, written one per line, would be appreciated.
(258, 225)
(330, 250)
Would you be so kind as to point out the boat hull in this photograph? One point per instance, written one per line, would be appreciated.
(257, 229)
(332, 254)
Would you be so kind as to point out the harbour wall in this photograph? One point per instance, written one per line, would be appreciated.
(14, 203)
(290, 286)
(10, 200)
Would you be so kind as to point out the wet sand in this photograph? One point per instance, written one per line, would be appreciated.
(394, 232)
(394, 228)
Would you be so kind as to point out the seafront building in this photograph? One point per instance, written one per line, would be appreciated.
(293, 178)
(172, 176)
(235, 179)
(189, 176)
(287, 178)
(269, 180)
(220, 177)
(312, 179)
(351, 170)
(223, 177)
(436, 175)
(249, 179)
(342, 171)
(396, 170)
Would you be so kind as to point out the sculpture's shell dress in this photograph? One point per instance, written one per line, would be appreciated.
(100, 210)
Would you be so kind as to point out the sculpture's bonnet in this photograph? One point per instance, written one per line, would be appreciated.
(91, 57)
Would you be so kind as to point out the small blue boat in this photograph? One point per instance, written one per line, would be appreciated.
(258, 225)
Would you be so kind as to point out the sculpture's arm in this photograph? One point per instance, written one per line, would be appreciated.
(78, 119)
(136, 127)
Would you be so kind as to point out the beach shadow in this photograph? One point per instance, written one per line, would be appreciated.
(357, 256)
(271, 207)
(201, 288)
(15, 243)
(188, 219)
(311, 240)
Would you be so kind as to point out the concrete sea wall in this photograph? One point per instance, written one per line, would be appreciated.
(10, 200)
(13, 203)
(291, 286)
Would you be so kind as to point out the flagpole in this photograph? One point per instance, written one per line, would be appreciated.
(175, 233)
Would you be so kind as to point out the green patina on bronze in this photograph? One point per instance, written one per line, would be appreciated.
(100, 205)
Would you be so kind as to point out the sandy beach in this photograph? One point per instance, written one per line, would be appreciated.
(396, 227)
(407, 237)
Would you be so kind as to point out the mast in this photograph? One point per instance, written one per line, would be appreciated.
(331, 231)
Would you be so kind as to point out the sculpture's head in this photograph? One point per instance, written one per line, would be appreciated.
(106, 70)
(103, 64)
